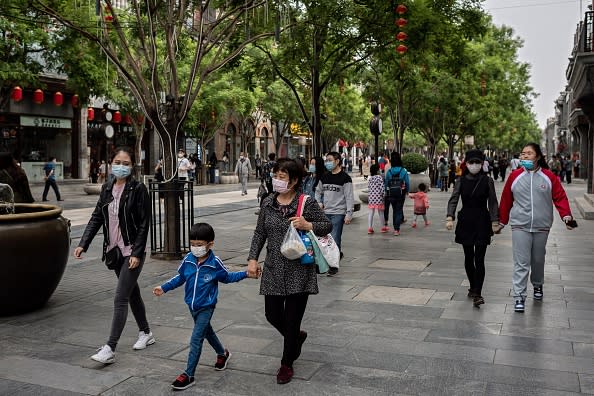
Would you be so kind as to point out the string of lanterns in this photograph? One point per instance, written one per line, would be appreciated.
(401, 22)
(39, 97)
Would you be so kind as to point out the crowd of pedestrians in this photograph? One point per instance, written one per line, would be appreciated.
(318, 196)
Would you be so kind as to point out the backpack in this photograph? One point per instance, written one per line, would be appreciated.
(395, 186)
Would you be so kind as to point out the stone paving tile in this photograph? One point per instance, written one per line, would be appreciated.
(57, 375)
(495, 373)
(544, 332)
(587, 383)
(583, 349)
(545, 361)
(151, 387)
(513, 390)
(402, 311)
(370, 378)
(14, 388)
(491, 341)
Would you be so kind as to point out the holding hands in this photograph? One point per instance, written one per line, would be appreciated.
(570, 223)
(157, 291)
(496, 227)
(254, 271)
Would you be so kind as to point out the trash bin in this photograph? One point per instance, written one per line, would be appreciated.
(216, 178)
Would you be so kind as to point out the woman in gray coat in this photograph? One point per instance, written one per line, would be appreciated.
(286, 284)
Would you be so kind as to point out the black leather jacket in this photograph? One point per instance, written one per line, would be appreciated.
(134, 215)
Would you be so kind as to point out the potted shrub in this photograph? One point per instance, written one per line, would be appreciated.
(416, 164)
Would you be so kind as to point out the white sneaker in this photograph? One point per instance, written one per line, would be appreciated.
(104, 355)
(144, 340)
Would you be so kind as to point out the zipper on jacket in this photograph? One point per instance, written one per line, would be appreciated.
(195, 284)
(531, 203)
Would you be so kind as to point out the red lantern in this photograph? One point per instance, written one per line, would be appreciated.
(58, 99)
(401, 36)
(38, 96)
(128, 119)
(90, 114)
(74, 101)
(401, 9)
(17, 94)
(401, 49)
(401, 22)
(117, 117)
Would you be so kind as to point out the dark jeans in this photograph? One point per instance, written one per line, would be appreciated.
(502, 173)
(397, 211)
(474, 263)
(495, 173)
(127, 292)
(444, 183)
(202, 330)
(568, 177)
(51, 182)
(285, 314)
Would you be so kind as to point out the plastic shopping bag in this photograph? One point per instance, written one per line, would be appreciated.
(329, 250)
(318, 256)
(292, 247)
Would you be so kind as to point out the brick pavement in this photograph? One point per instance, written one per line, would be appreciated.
(396, 320)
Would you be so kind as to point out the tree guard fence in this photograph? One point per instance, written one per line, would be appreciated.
(170, 201)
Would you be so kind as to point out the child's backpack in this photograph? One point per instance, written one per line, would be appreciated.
(395, 186)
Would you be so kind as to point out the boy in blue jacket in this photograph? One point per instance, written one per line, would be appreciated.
(201, 271)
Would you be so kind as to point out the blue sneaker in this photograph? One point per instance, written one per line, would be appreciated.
(519, 307)
(538, 293)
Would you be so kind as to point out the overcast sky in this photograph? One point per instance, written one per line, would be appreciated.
(547, 28)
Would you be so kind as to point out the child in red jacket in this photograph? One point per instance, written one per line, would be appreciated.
(421, 204)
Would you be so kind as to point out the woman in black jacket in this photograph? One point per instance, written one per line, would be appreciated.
(477, 220)
(286, 284)
(123, 211)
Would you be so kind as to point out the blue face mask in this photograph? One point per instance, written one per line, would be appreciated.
(312, 169)
(527, 164)
(329, 165)
(120, 171)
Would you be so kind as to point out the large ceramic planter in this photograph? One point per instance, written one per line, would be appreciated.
(418, 178)
(229, 178)
(34, 246)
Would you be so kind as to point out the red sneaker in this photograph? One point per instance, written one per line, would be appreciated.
(370, 231)
(284, 375)
(222, 360)
(385, 229)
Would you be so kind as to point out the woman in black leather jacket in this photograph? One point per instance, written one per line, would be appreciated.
(123, 211)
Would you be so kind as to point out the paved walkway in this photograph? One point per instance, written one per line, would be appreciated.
(396, 320)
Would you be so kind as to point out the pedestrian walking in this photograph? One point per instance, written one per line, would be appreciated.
(496, 167)
(397, 186)
(478, 220)
(316, 170)
(442, 169)
(452, 173)
(13, 175)
(102, 172)
(286, 284)
(420, 204)
(376, 199)
(201, 271)
(335, 195)
(366, 167)
(213, 162)
(503, 165)
(258, 164)
(123, 211)
(50, 179)
(242, 170)
(183, 165)
(568, 169)
(527, 205)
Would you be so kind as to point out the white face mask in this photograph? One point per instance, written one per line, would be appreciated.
(180, 155)
(280, 186)
(474, 168)
(199, 251)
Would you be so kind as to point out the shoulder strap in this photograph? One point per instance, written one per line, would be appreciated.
(301, 205)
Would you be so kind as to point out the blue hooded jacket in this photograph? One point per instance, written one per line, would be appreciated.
(202, 280)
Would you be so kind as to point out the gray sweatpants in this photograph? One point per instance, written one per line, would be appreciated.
(529, 255)
(244, 181)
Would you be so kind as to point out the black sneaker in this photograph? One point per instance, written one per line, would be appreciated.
(477, 301)
(332, 271)
(222, 360)
(182, 382)
(471, 293)
(538, 293)
(519, 307)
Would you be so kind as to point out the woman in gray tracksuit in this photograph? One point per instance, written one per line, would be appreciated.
(527, 204)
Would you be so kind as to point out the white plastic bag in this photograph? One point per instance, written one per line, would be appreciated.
(329, 250)
(292, 247)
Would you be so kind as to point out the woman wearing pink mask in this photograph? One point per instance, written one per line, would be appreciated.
(477, 220)
(286, 284)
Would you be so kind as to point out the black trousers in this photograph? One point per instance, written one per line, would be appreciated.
(50, 182)
(474, 263)
(285, 314)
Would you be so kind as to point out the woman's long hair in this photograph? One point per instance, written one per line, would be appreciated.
(320, 167)
(542, 162)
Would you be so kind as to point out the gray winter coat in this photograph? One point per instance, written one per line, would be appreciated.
(281, 276)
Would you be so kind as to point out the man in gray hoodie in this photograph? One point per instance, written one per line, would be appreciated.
(335, 195)
(242, 170)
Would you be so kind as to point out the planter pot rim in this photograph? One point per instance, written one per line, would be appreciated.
(45, 212)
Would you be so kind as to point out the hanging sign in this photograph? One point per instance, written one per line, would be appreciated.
(46, 122)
